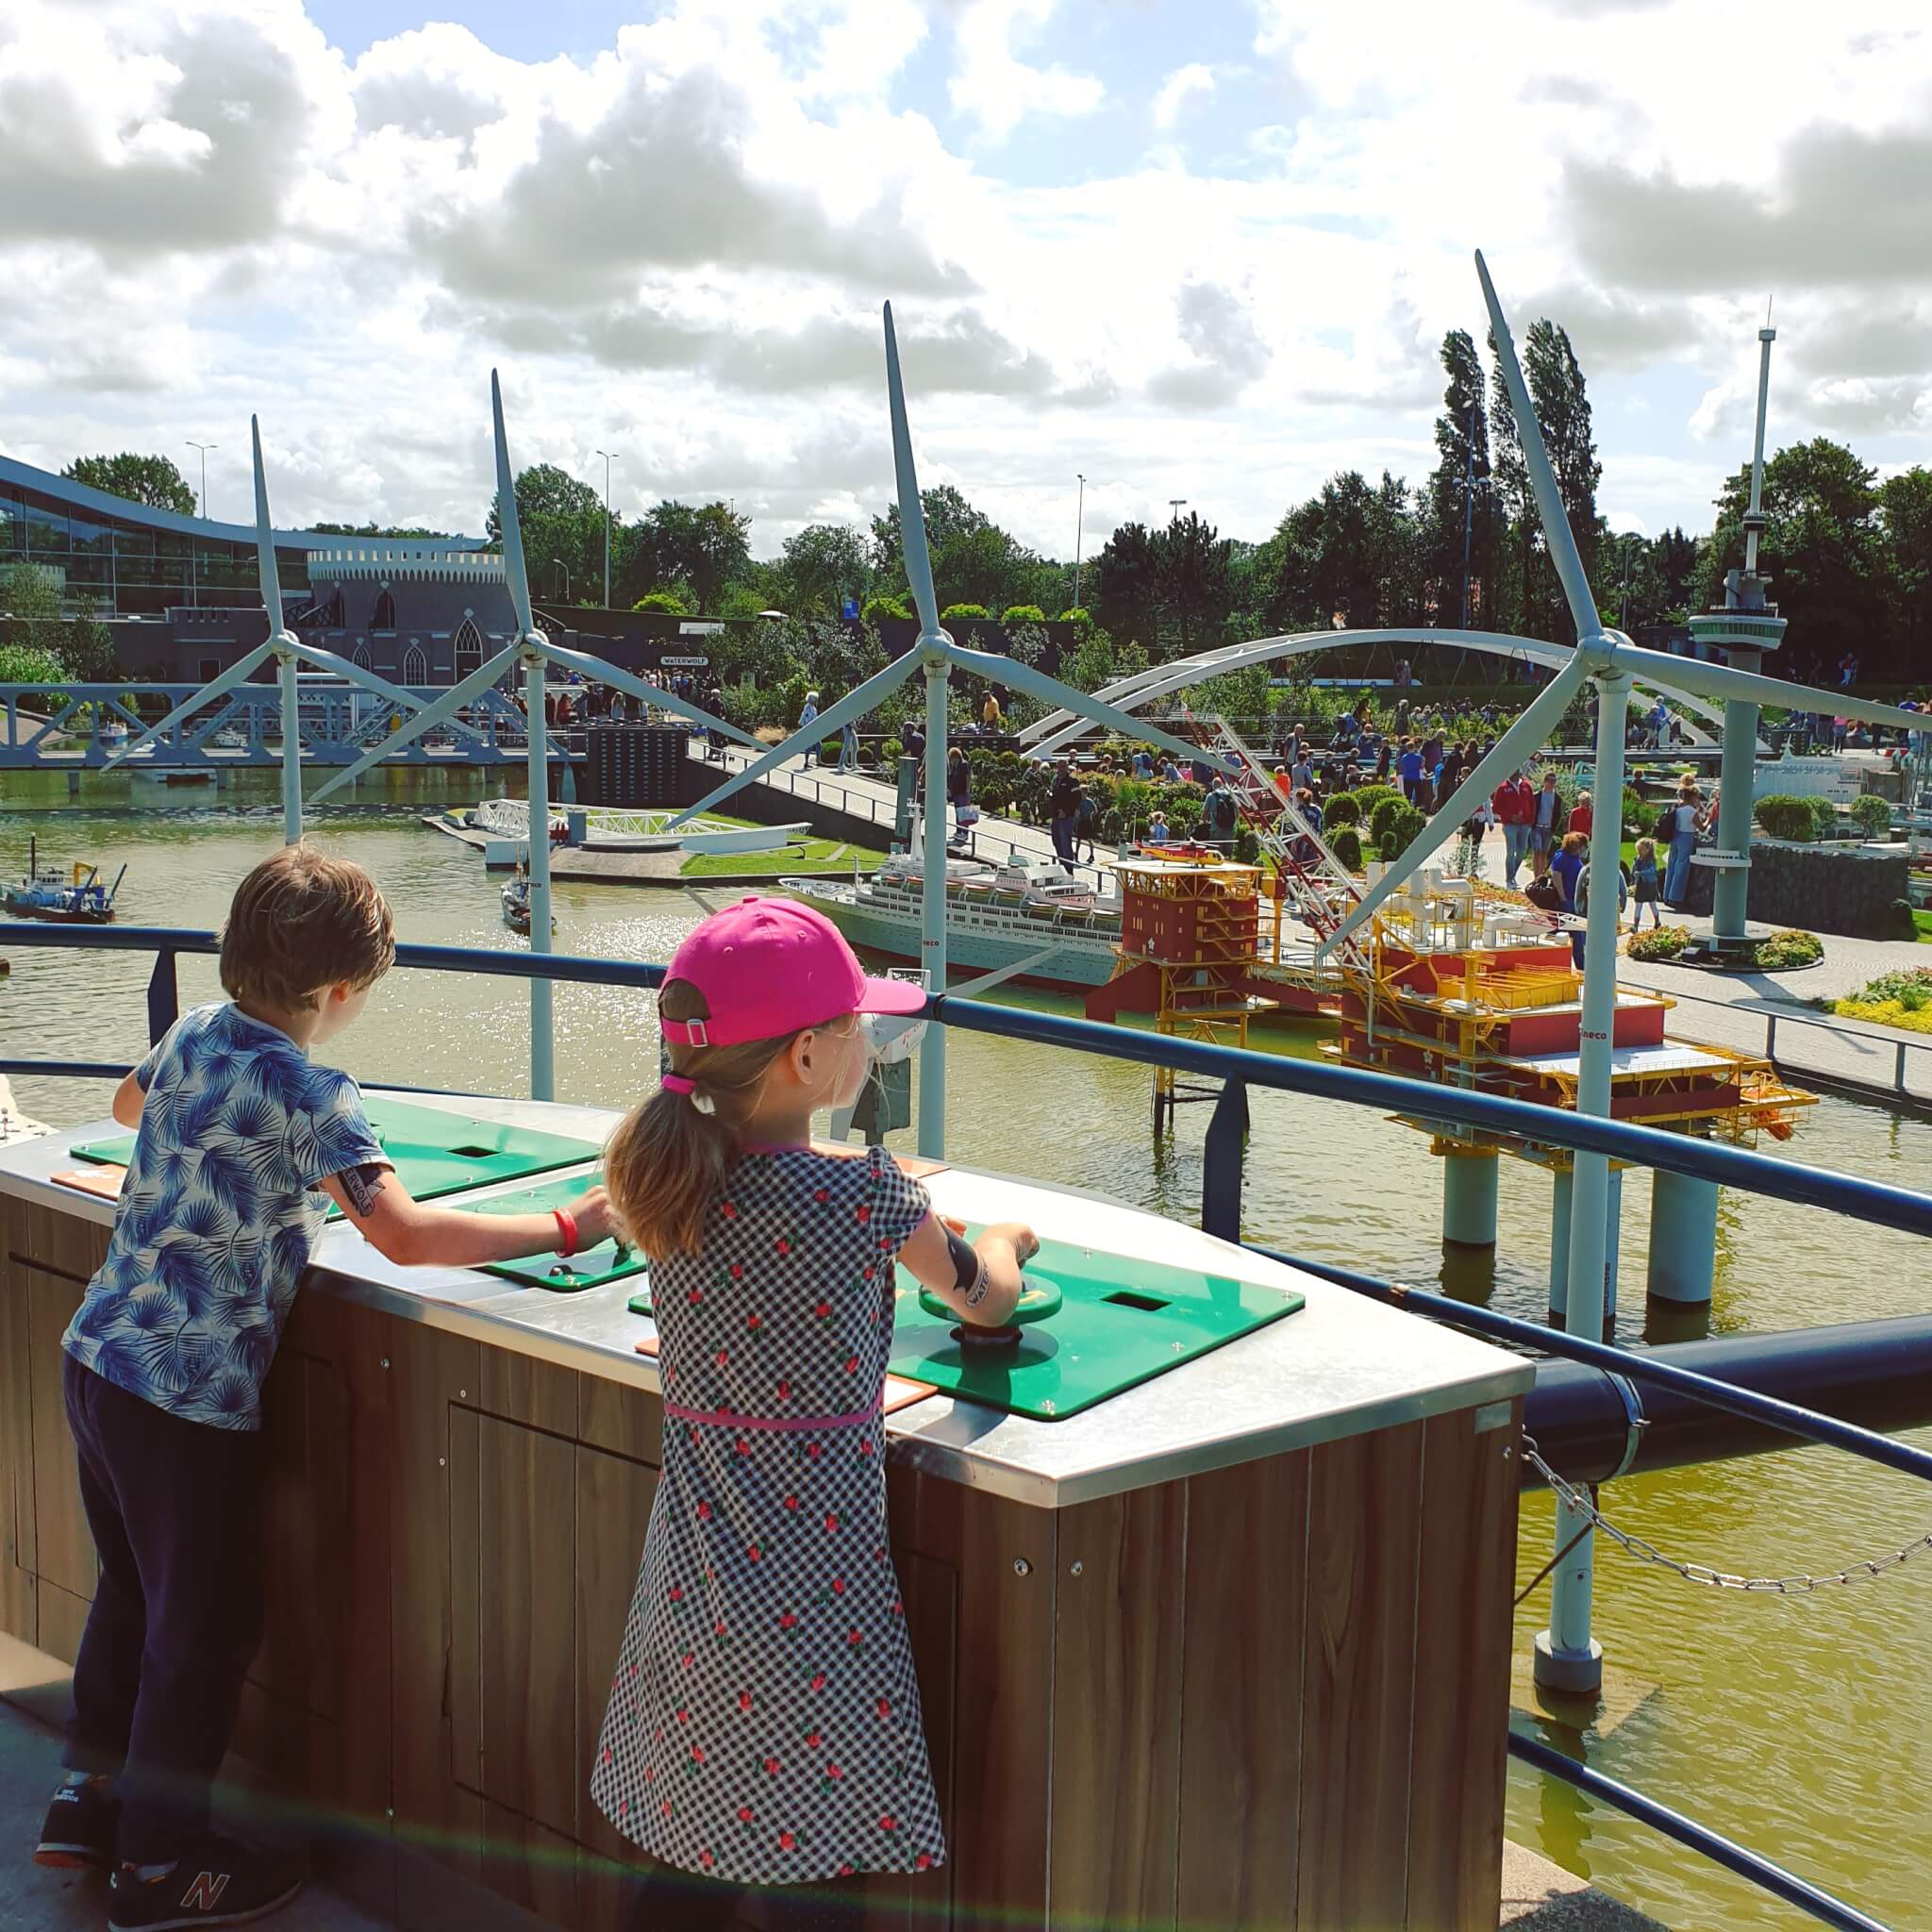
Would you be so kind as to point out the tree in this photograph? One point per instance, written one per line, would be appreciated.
(1458, 502)
(705, 546)
(544, 491)
(1905, 521)
(949, 519)
(819, 567)
(1510, 473)
(1124, 585)
(1562, 407)
(1196, 581)
(973, 560)
(152, 480)
(378, 529)
(1821, 546)
(562, 523)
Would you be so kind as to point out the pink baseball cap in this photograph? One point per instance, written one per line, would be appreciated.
(770, 967)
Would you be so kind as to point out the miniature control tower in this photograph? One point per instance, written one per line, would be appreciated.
(1744, 629)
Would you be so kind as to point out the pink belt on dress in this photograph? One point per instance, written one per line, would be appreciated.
(730, 1419)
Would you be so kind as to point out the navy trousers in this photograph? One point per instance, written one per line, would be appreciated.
(176, 1511)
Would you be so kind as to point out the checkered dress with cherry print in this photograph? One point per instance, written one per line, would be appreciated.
(764, 1722)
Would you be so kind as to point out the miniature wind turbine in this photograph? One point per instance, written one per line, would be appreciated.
(936, 655)
(286, 649)
(1607, 658)
(533, 651)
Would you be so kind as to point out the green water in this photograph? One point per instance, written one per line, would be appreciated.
(1800, 1725)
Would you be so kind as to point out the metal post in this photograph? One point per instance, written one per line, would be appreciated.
(163, 997)
(1567, 1657)
(1560, 1247)
(1468, 1197)
(1737, 781)
(932, 933)
(291, 748)
(1220, 1163)
(1683, 1239)
(1079, 531)
(543, 1054)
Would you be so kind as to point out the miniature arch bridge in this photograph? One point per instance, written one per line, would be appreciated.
(1048, 735)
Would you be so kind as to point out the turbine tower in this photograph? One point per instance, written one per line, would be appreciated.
(936, 655)
(531, 650)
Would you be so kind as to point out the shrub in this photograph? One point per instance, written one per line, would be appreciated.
(1078, 614)
(1784, 817)
(875, 608)
(1247, 846)
(829, 752)
(1823, 816)
(1910, 988)
(1637, 817)
(1347, 844)
(963, 612)
(1370, 797)
(1344, 809)
(1022, 613)
(1872, 815)
(1886, 1013)
(892, 751)
(1405, 826)
(1660, 942)
(1382, 815)
(1788, 949)
(1896, 921)
(671, 602)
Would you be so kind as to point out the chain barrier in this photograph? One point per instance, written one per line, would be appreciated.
(1577, 1498)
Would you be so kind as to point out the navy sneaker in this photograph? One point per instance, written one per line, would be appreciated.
(216, 1881)
(80, 1831)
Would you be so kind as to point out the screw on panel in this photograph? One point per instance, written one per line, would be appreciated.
(385, 1361)
(441, 1463)
(1022, 1567)
(1075, 1568)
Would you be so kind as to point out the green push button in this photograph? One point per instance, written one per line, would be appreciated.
(1039, 1301)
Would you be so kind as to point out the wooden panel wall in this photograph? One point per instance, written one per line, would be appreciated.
(1273, 1696)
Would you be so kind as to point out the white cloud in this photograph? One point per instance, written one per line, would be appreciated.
(1178, 89)
(681, 240)
(998, 88)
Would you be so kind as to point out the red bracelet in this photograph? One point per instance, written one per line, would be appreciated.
(567, 1227)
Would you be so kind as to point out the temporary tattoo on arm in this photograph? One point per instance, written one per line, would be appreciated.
(969, 1269)
(363, 1184)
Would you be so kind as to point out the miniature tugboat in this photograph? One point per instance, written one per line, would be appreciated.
(516, 904)
(80, 899)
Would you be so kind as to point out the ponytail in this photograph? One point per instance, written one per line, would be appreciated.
(667, 1161)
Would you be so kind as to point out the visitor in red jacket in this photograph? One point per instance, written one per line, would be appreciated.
(1514, 804)
(1582, 815)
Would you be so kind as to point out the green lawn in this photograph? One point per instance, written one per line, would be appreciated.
(1923, 919)
(801, 856)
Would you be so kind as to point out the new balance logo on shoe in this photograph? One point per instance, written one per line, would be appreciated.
(205, 1892)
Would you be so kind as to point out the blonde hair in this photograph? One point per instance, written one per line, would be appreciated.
(1646, 848)
(666, 1162)
(300, 922)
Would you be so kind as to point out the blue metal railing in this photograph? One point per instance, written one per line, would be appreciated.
(1239, 1068)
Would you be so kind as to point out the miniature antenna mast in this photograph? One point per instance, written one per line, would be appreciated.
(1754, 517)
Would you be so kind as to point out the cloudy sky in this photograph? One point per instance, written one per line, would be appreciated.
(1194, 250)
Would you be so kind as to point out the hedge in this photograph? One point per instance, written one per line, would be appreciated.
(1872, 815)
(1786, 817)
(1347, 846)
(1343, 808)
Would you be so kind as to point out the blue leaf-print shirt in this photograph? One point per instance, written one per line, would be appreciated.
(218, 1215)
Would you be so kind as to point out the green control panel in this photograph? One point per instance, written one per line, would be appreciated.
(588, 1268)
(435, 1151)
(1089, 1325)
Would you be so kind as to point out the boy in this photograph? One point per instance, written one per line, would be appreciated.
(241, 1147)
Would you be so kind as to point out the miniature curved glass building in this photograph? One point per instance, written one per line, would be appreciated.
(182, 596)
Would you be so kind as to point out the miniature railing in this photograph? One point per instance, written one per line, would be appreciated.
(1239, 1068)
(1773, 1021)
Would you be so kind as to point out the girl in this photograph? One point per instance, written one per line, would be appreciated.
(764, 1729)
(1645, 884)
(959, 793)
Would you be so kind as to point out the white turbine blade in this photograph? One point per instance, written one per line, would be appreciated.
(603, 673)
(1720, 681)
(264, 537)
(911, 511)
(1543, 479)
(239, 673)
(1025, 677)
(513, 573)
(452, 701)
(1512, 749)
(850, 709)
(341, 667)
